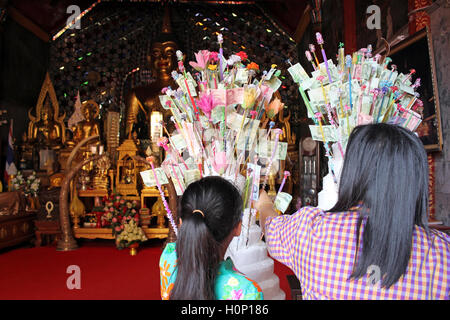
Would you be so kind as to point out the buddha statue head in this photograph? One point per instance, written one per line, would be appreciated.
(162, 58)
(90, 110)
(46, 114)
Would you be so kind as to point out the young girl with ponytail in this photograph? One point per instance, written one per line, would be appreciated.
(193, 268)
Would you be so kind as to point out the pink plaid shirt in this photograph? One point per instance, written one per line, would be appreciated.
(320, 248)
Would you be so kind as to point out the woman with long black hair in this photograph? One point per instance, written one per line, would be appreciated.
(193, 268)
(375, 243)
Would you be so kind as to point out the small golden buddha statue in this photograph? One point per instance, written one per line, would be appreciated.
(89, 126)
(159, 212)
(100, 181)
(45, 131)
(128, 173)
(162, 61)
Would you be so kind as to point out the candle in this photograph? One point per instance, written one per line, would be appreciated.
(318, 117)
(411, 72)
(341, 57)
(220, 41)
(312, 48)
(310, 59)
(384, 91)
(271, 125)
(286, 174)
(375, 92)
(349, 66)
(321, 42)
(320, 79)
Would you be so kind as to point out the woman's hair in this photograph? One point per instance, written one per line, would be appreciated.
(386, 172)
(199, 243)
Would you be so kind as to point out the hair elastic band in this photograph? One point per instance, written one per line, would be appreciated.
(199, 211)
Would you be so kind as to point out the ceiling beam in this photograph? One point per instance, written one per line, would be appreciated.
(28, 24)
(303, 24)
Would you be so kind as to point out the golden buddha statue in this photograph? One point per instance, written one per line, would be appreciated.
(89, 126)
(47, 128)
(45, 131)
(128, 173)
(159, 212)
(162, 61)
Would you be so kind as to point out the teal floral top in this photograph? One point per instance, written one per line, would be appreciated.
(230, 284)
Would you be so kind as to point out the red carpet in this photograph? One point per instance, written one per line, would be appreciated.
(106, 273)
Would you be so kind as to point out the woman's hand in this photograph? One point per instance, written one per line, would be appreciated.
(265, 207)
(263, 201)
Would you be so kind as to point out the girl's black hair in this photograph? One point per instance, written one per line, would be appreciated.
(200, 239)
(386, 171)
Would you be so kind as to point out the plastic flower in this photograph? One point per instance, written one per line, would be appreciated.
(220, 162)
(202, 58)
(250, 94)
(214, 56)
(242, 55)
(274, 107)
(179, 55)
(212, 67)
(233, 59)
(252, 66)
(206, 103)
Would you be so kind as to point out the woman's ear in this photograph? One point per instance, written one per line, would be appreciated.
(180, 222)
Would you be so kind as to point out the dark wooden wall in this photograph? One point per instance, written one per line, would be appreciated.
(23, 64)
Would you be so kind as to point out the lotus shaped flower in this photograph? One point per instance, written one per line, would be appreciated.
(206, 103)
(220, 162)
(202, 58)
(274, 107)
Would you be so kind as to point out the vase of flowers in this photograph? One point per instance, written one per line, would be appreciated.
(130, 237)
(29, 187)
(122, 216)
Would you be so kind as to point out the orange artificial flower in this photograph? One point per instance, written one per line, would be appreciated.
(252, 66)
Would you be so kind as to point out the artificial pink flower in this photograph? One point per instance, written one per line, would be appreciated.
(117, 228)
(220, 162)
(202, 58)
(206, 103)
(214, 56)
